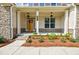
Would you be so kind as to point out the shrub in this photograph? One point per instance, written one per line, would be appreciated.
(68, 36)
(61, 35)
(73, 40)
(52, 36)
(1, 39)
(34, 33)
(41, 39)
(77, 39)
(63, 40)
(28, 41)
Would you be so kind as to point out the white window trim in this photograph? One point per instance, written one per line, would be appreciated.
(49, 24)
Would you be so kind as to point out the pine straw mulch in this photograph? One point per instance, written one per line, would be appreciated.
(49, 43)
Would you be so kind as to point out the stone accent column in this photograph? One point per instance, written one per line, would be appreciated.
(66, 22)
(18, 23)
(37, 22)
(11, 9)
(77, 22)
(5, 21)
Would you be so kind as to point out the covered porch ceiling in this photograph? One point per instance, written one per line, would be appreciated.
(42, 9)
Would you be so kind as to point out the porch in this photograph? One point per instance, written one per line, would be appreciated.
(45, 20)
(41, 20)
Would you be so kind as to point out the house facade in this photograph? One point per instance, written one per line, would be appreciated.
(38, 17)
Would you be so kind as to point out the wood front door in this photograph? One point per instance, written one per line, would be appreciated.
(30, 25)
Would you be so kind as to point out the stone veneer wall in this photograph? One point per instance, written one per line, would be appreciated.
(77, 23)
(70, 20)
(71, 31)
(5, 21)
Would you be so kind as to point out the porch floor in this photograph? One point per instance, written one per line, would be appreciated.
(27, 34)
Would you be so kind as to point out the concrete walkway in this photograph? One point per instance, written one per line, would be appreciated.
(15, 48)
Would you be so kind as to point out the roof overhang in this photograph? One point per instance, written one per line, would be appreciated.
(43, 9)
(7, 4)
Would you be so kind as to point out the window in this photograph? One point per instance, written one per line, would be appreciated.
(41, 4)
(25, 4)
(47, 4)
(53, 4)
(64, 4)
(36, 4)
(18, 4)
(46, 22)
(30, 4)
(49, 22)
(52, 22)
(58, 4)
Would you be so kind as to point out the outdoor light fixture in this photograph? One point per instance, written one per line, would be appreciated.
(51, 14)
(28, 15)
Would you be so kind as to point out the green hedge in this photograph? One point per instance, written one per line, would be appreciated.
(74, 40)
(1, 39)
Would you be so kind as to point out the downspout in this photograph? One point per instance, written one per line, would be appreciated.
(11, 29)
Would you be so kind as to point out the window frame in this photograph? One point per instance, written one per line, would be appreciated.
(41, 4)
(52, 21)
(46, 18)
(53, 4)
(49, 22)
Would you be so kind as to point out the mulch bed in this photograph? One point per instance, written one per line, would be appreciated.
(6, 42)
(47, 43)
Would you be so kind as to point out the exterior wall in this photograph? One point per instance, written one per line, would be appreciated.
(5, 21)
(77, 23)
(23, 23)
(14, 21)
(71, 19)
(59, 21)
(23, 20)
(59, 25)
